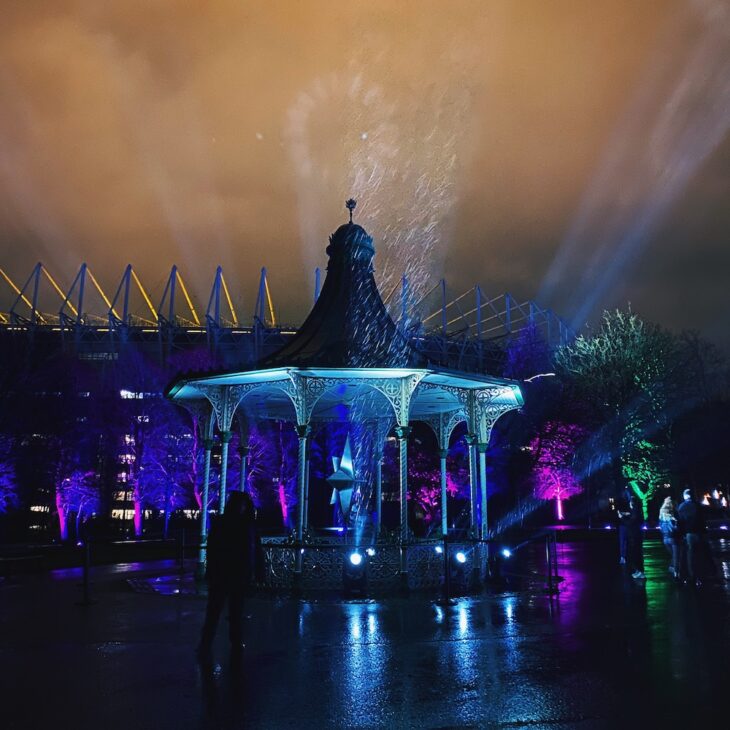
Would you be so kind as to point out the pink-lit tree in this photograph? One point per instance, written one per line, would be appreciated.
(553, 451)
(424, 475)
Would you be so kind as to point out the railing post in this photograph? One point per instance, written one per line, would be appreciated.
(303, 431)
(447, 569)
(225, 440)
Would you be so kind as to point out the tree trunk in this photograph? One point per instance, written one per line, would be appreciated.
(137, 517)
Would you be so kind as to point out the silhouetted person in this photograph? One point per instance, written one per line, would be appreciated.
(670, 534)
(691, 521)
(231, 565)
(622, 517)
(635, 539)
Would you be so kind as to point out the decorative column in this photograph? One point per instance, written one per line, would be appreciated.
(402, 432)
(380, 433)
(224, 400)
(225, 440)
(208, 446)
(303, 431)
(482, 449)
(443, 453)
(306, 486)
(471, 441)
(378, 493)
(243, 452)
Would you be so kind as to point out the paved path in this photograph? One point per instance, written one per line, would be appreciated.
(607, 653)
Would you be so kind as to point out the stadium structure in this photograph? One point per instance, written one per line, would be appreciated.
(467, 331)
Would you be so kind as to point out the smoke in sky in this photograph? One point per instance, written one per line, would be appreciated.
(678, 117)
(405, 182)
(479, 137)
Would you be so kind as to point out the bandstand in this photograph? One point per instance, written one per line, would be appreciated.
(350, 363)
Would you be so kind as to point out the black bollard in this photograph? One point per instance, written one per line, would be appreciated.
(549, 565)
(182, 552)
(86, 600)
(446, 598)
(181, 572)
(447, 570)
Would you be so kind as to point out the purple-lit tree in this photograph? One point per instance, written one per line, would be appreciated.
(164, 480)
(285, 472)
(427, 488)
(77, 494)
(553, 451)
(424, 479)
(262, 465)
(197, 360)
(146, 419)
(424, 472)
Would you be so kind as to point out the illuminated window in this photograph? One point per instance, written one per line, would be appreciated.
(130, 395)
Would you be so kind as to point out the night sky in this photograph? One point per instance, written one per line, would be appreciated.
(574, 152)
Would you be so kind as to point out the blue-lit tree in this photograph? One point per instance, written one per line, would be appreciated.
(8, 482)
(527, 354)
(165, 475)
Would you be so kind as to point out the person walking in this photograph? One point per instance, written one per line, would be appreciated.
(231, 567)
(691, 522)
(670, 534)
(635, 539)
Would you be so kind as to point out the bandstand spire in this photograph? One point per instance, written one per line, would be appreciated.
(349, 325)
(351, 204)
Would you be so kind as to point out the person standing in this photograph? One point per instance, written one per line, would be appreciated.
(670, 534)
(623, 514)
(231, 566)
(635, 539)
(691, 522)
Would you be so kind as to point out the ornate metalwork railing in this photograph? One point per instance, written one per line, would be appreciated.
(323, 565)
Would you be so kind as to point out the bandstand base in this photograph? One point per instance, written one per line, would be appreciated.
(381, 571)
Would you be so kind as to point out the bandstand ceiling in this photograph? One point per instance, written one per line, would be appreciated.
(348, 392)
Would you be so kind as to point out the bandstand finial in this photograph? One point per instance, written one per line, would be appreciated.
(351, 204)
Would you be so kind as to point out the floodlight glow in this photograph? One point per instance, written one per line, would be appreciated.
(439, 549)
(460, 557)
(370, 552)
(355, 558)
(507, 553)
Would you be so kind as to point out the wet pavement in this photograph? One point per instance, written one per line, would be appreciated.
(606, 652)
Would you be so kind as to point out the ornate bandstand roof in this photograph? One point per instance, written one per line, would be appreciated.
(350, 360)
(349, 325)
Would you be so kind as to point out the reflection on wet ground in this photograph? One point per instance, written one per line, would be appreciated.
(606, 651)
